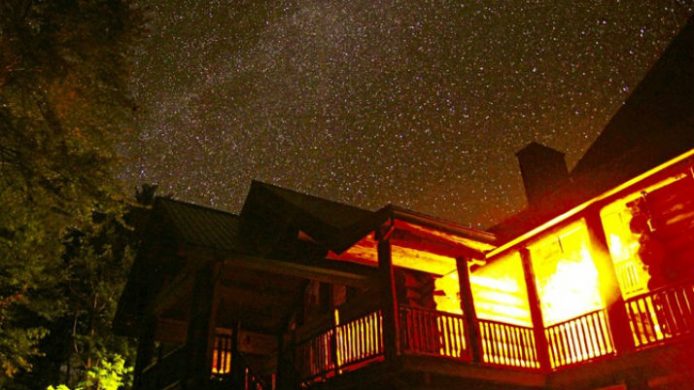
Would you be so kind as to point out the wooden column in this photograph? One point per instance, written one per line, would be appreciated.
(389, 300)
(145, 349)
(535, 311)
(200, 335)
(609, 285)
(285, 364)
(467, 304)
(238, 368)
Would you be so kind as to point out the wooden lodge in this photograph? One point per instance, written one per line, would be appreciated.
(591, 287)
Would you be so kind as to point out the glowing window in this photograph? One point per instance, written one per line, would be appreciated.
(499, 292)
(221, 353)
(565, 274)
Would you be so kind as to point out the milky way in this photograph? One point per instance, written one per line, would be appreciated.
(417, 103)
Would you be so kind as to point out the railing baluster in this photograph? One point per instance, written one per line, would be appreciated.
(660, 315)
(579, 339)
(507, 345)
(355, 341)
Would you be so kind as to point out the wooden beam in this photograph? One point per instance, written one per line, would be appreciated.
(435, 242)
(410, 240)
(237, 367)
(609, 285)
(326, 273)
(467, 304)
(389, 300)
(535, 311)
(200, 334)
(329, 272)
(145, 349)
(257, 297)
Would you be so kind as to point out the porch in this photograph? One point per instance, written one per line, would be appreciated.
(440, 342)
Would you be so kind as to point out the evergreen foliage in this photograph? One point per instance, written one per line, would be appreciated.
(64, 110)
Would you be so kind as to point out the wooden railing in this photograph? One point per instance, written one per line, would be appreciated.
(316, 356)
(251, 380)
(660, 315)
(654, 317)
(435, 333)
(168, 370)
(508, 345)
(359, 340)
(222, 365)
(579, 339)
(341, 348)
(221, 354)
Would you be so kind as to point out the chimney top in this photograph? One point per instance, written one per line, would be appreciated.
(543, 170)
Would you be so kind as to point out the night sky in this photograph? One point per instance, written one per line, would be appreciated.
(417, 103)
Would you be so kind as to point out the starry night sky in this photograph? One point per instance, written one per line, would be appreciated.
(417, 103)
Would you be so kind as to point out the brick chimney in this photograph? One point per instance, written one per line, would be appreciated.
(543, 170)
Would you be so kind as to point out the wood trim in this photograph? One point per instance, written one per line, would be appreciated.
(609, 285)
(534, 303)
(467, 304)
(326, 273)
(391, 318)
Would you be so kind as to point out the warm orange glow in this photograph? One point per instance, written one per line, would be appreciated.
(501, 304)
(632, 273)
(447, 293)
(422, 261)
(365, 252)
(678, 164)
(221, 353)
(362, 252)
(444, 236)
(579, 339)
(499, 291)
(566, 275)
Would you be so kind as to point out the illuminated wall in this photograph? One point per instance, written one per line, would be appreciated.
(632, 274)
(566, 276)
(499, 291)
(447, 293)
(626, 234)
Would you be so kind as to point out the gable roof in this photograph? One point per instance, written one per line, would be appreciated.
(202, 226)
(333, 224)
(655, 124)
(331, 213)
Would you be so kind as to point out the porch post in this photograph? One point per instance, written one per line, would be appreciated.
(535, 311)
(145, 349)
(391, 318)
(238, 374)
(285, 379)
(200, 336)
(468, 306)
(609, 284)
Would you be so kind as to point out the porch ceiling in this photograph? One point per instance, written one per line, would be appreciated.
(261, 300)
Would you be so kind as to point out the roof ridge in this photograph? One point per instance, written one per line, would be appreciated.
(195, 205)
(311, 196)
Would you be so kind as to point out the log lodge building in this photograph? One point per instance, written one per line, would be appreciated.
(590, 287)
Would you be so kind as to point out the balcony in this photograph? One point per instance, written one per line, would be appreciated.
(656, 319)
